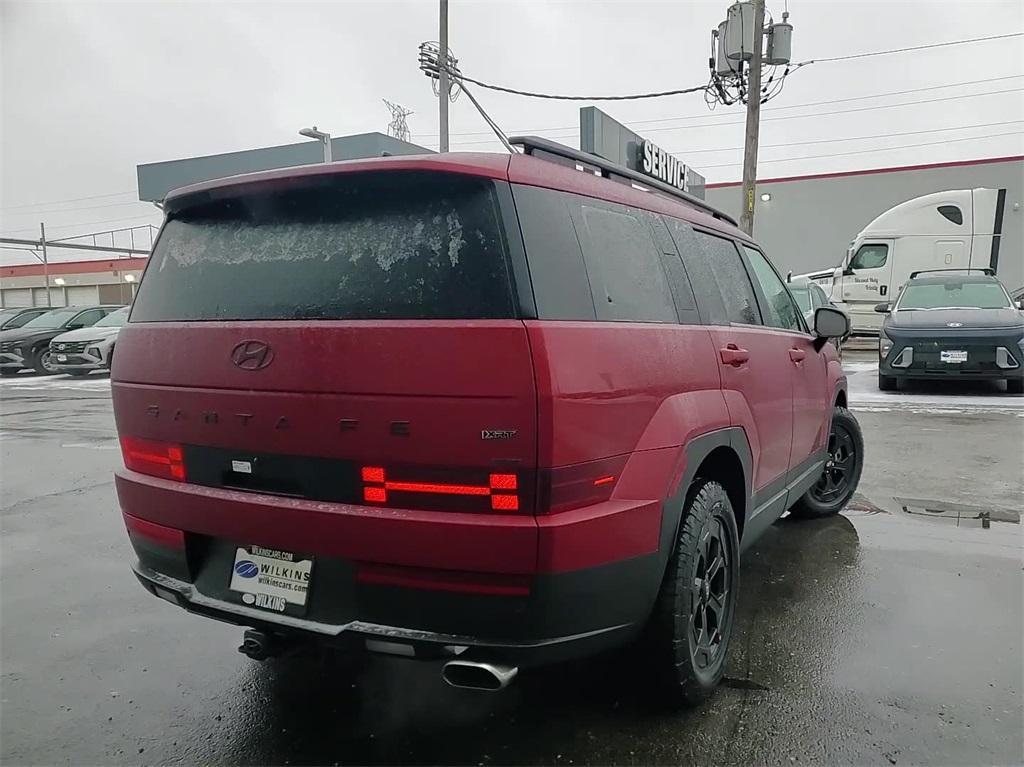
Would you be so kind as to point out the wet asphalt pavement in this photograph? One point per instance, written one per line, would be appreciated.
(891, 634)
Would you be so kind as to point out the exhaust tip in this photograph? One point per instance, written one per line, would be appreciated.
(468, 675)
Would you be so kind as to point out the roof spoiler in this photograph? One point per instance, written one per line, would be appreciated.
(984, 270)
(539, 147)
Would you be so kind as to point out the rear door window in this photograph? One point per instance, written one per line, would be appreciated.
(390, 245)
(623, 265)
(731, 277)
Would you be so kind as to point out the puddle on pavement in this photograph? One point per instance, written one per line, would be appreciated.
(943, 512)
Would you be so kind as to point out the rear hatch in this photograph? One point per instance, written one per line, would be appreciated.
(349, 337)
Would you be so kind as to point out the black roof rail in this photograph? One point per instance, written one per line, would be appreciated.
(984, 269)
(539, 147)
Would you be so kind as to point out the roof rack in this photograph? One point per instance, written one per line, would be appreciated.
(539, 147)
(985, 270)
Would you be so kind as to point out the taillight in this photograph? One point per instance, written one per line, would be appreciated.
(158, 459)
(413, 489)
(582, 484)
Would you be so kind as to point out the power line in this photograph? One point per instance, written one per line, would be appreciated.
(84, 223)
(456, 75)
(813, 114)
(911, 48)
(851, 138)
(870, 151)
(72, 199)
(72, 210)
(528, 131)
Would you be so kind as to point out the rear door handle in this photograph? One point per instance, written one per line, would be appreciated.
(797, 355)
(734, 355)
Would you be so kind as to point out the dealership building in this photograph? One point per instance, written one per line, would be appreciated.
(805, 223)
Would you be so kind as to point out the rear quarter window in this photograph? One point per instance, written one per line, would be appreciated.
(623, 265)
(386, 245)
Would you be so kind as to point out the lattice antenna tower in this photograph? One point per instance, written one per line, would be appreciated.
(398, 127)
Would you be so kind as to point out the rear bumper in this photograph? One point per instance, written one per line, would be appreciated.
(584, 581)
(361, 635)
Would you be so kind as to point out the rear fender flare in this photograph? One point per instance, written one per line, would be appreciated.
(693, 455)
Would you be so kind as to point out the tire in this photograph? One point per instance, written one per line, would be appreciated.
(886, 383)
(42, 362)
(692, 623)
(1015, 385)
(844, 464)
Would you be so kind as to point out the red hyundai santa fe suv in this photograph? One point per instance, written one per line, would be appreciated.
(498, 411)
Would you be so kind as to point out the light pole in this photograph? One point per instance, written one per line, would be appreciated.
(319, 136)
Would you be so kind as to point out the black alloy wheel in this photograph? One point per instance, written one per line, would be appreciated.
(842, 455)
(711, 594)
(844, 462)
(686, 641)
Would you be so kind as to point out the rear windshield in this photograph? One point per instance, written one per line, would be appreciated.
(954, 295)
(394, 245)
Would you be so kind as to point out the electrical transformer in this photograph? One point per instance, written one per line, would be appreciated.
(740, 36)
(780, 43)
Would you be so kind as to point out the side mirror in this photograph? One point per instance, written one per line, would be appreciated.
(830, 323)
(1019, 303)
(883, 308)
(75, 326)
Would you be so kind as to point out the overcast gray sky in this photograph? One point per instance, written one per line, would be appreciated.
(90, 90)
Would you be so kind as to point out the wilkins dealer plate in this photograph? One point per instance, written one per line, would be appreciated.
(269, 578)
(953, 357)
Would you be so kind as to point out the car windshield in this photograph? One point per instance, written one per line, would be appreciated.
(114, 319)
(54, 319)
(952, 294)
(802, 296)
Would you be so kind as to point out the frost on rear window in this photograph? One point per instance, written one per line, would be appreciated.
(369, 249)
(383, 239)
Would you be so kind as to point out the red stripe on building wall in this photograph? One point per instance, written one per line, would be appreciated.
(76, 267)
(872, 171)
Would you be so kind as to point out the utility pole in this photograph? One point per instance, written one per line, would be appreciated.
(443, 85)
(46, 264)
(753, 122)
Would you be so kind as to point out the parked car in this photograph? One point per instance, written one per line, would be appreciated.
(952, 323)
(79, 352)
(809, 296)
(28, 347)
(16, 316)
(482, 408)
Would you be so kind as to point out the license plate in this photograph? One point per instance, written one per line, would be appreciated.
(62, 358)
(269, 578)
(953, 357)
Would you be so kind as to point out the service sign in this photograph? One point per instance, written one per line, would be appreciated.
(665, 167)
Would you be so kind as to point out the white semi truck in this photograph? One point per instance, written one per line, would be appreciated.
(944, 230)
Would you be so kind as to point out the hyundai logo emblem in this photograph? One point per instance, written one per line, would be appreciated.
(252, 355)
(954, 324)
